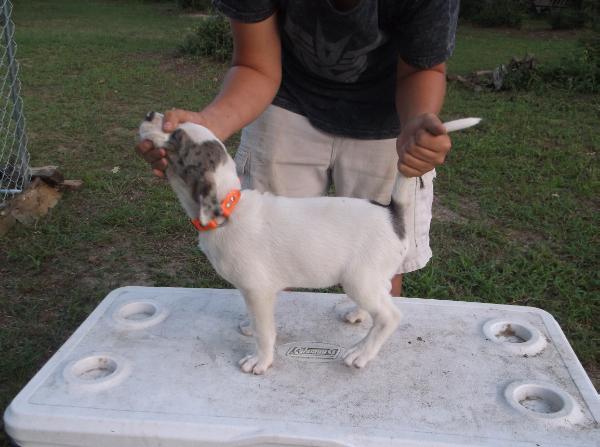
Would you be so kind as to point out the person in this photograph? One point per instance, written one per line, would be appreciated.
(342, 92)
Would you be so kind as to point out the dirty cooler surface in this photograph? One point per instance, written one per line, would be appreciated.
(158, 367)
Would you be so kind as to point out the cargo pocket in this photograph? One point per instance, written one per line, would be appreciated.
(242, 165)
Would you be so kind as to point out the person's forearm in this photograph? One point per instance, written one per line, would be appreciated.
(246, 92)
(423, 142)
(419, 91)
(252, 81)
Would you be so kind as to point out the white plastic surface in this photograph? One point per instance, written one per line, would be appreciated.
(158, 367)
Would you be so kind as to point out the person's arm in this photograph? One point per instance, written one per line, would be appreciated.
(423, 142)
(249, 87)
(250, 84)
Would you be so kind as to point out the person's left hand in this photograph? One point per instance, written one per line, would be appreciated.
(422, 145)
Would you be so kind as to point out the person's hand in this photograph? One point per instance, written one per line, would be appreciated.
(422, 145)
(156, 156)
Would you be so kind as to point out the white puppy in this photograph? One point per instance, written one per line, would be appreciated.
(269, 243)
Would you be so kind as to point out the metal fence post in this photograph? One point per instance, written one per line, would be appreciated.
(14, 157)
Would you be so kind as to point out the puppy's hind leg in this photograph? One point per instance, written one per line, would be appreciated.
(386, 318)
(261, 308)
(355, 315)
(245, 327)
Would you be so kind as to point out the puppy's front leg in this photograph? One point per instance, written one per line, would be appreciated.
(261, 307)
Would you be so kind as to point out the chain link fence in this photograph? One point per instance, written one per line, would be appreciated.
(14, 157)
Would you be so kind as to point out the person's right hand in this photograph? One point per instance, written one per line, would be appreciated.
(156, 156)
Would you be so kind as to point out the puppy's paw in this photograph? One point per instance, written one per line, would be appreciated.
(355, 315)
(254, 364)
(358, 356)
(246, 328)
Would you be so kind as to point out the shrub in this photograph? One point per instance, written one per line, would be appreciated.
(518, 74)
(567, 19)
(591, 8)
(591, 46)
(579, 71)
(499, 13)
(212, 38)
(469, 8)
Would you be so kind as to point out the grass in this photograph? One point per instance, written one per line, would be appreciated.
(486, 48)
(521, 190)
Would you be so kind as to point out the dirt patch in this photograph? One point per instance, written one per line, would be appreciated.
(467, 209)
(121, 133)
(123, 261)
(187, 67)
(524, 237)
(105, 269)
(192, 68)
(507, 332)
(445, 214)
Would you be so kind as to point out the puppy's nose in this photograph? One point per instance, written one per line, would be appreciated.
(149, 116)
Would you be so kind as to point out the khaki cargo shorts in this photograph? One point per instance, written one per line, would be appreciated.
(282, 153)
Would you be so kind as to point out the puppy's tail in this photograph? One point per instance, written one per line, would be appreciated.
(400, 203)
(404, 195)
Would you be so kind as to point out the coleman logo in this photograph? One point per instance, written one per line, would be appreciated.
(312, 351)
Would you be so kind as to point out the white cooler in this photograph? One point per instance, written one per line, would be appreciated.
(158, 367)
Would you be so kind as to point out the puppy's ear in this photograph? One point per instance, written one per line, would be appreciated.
(179, 139)
(205, 194)
(178, 148)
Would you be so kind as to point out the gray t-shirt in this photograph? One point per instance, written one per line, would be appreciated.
(339, 67)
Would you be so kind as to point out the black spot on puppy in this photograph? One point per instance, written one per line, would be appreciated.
(397, 215)
(150, 116)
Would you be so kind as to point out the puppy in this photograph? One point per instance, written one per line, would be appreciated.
(263, 243)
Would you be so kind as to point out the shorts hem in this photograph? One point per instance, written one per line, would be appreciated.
(416, 264)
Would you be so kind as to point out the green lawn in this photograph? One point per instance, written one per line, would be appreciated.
(517, 201)
(486, 48)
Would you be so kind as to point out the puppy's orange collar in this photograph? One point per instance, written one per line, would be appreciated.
(227, 206)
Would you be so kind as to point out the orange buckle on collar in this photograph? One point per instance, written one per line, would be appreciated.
(227, 205)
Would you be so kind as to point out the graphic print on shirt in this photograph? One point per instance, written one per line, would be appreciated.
(331, 59)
